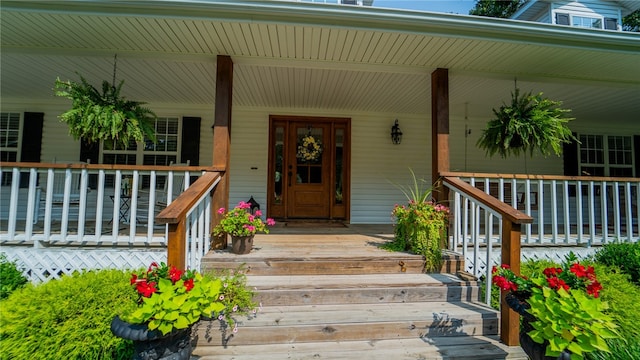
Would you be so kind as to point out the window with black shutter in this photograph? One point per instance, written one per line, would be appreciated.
(611, 23)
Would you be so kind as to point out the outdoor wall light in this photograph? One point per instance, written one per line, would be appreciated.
(396, 134)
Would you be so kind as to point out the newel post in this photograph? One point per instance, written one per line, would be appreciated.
(176, 244)
(509, 319)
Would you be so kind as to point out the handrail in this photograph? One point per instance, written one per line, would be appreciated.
(175, 214)
(536, 177)
(62, 165)
(512, 219)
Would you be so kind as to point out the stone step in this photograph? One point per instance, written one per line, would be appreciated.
(354, 322)
(361, 289)
(459, 347)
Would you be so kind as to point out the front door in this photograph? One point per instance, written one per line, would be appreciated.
(308, 160)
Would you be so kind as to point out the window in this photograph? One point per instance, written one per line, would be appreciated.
(586, 22)
(606, 155)
(163, 152)
(9, 136)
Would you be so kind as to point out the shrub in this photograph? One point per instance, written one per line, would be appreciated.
(67, 318)
(626, 256)
(10, 277)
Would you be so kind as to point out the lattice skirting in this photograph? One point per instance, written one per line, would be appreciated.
(40, 265)
(555, 254)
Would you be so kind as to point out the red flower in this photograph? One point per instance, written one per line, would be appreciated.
(134, 278)
(594, 289)
(188, 284)
(591, 273)
(174, 274)
(504, 284)
(549, 272)
(556, 283)
(146, 289)
(505, 266)
(579, 270)
(152, 266)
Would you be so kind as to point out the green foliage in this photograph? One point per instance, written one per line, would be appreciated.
(626, 256)
(531, 122)
(66, 319)
(236, 296)
(570, 320)
(172, 299)
(10, 277)
(631, 22)
(96, 116)
(496, 8)
(420, 227)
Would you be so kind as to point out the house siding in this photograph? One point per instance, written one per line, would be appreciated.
(586, 8)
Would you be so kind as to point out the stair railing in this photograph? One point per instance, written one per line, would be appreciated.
(189, 220)
(466, 195)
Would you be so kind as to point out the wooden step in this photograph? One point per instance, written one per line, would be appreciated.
(459, 347)
(361, 289)
(350, 322)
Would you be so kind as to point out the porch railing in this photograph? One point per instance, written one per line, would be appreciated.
(50, 211)
(189, 223)
(511, 221)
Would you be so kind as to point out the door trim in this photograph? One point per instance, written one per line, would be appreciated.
(339, 207)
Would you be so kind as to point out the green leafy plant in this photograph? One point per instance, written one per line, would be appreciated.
(235, 296)
(530, 122)
(625, 256)
(170, 299)
(420, 226)
(11, 277)
(67, 318)
(565, 302)
(106, 115)
(239, 222)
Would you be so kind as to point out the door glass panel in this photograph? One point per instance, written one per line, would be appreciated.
(309, 150)
(339, 136)
(279, 170)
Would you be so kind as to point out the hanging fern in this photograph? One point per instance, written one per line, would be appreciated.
(107, 116)
(531, 122)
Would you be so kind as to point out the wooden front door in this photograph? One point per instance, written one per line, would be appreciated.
(308, 160)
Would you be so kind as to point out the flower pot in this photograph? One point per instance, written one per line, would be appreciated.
(241, 244)
(151, 344)
(536, 351)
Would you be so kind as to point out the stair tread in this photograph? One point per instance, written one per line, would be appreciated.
(459, 347)
(418, 312)
(280, 282)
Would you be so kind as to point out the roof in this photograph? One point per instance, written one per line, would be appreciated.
(307, 55)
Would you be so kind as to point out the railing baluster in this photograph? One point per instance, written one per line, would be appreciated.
(100, 204)
(616, 209)
(567, 219)
(579, 219)
(151, 206)
(82, 205)
(554, 212)
(592, 214)
(115, 222)
(31, 204)
(64, 226)
(13, 203)
(540, 211)
(455, 209)
(133, 205)
(527, 207)
(48, 205)
(627, 201)
(603, 212)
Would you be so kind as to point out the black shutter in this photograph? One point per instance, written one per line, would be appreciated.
(611, 23)
(31, 142)
(90, 152)
(636, 154)
(190, 140)
(562, 19)
(570, 158)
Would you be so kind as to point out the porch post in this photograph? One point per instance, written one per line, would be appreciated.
(222, 140)
(509, 319)
(439, 130)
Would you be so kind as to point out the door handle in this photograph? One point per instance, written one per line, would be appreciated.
(290, 174)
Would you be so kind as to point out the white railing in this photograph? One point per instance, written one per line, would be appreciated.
(55, 223)
(582, 211)
(84, 204)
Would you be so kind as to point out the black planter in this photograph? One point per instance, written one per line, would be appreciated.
(536, 351)
(151, 344)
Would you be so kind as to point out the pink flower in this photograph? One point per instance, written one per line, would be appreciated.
(221, 211)
(244, 205)
(271, 222)
(258, 213)
(251, 228)
(251, 218)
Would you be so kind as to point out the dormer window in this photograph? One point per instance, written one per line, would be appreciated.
(586, 22)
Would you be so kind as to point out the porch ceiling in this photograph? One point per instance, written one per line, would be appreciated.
(311, 56)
